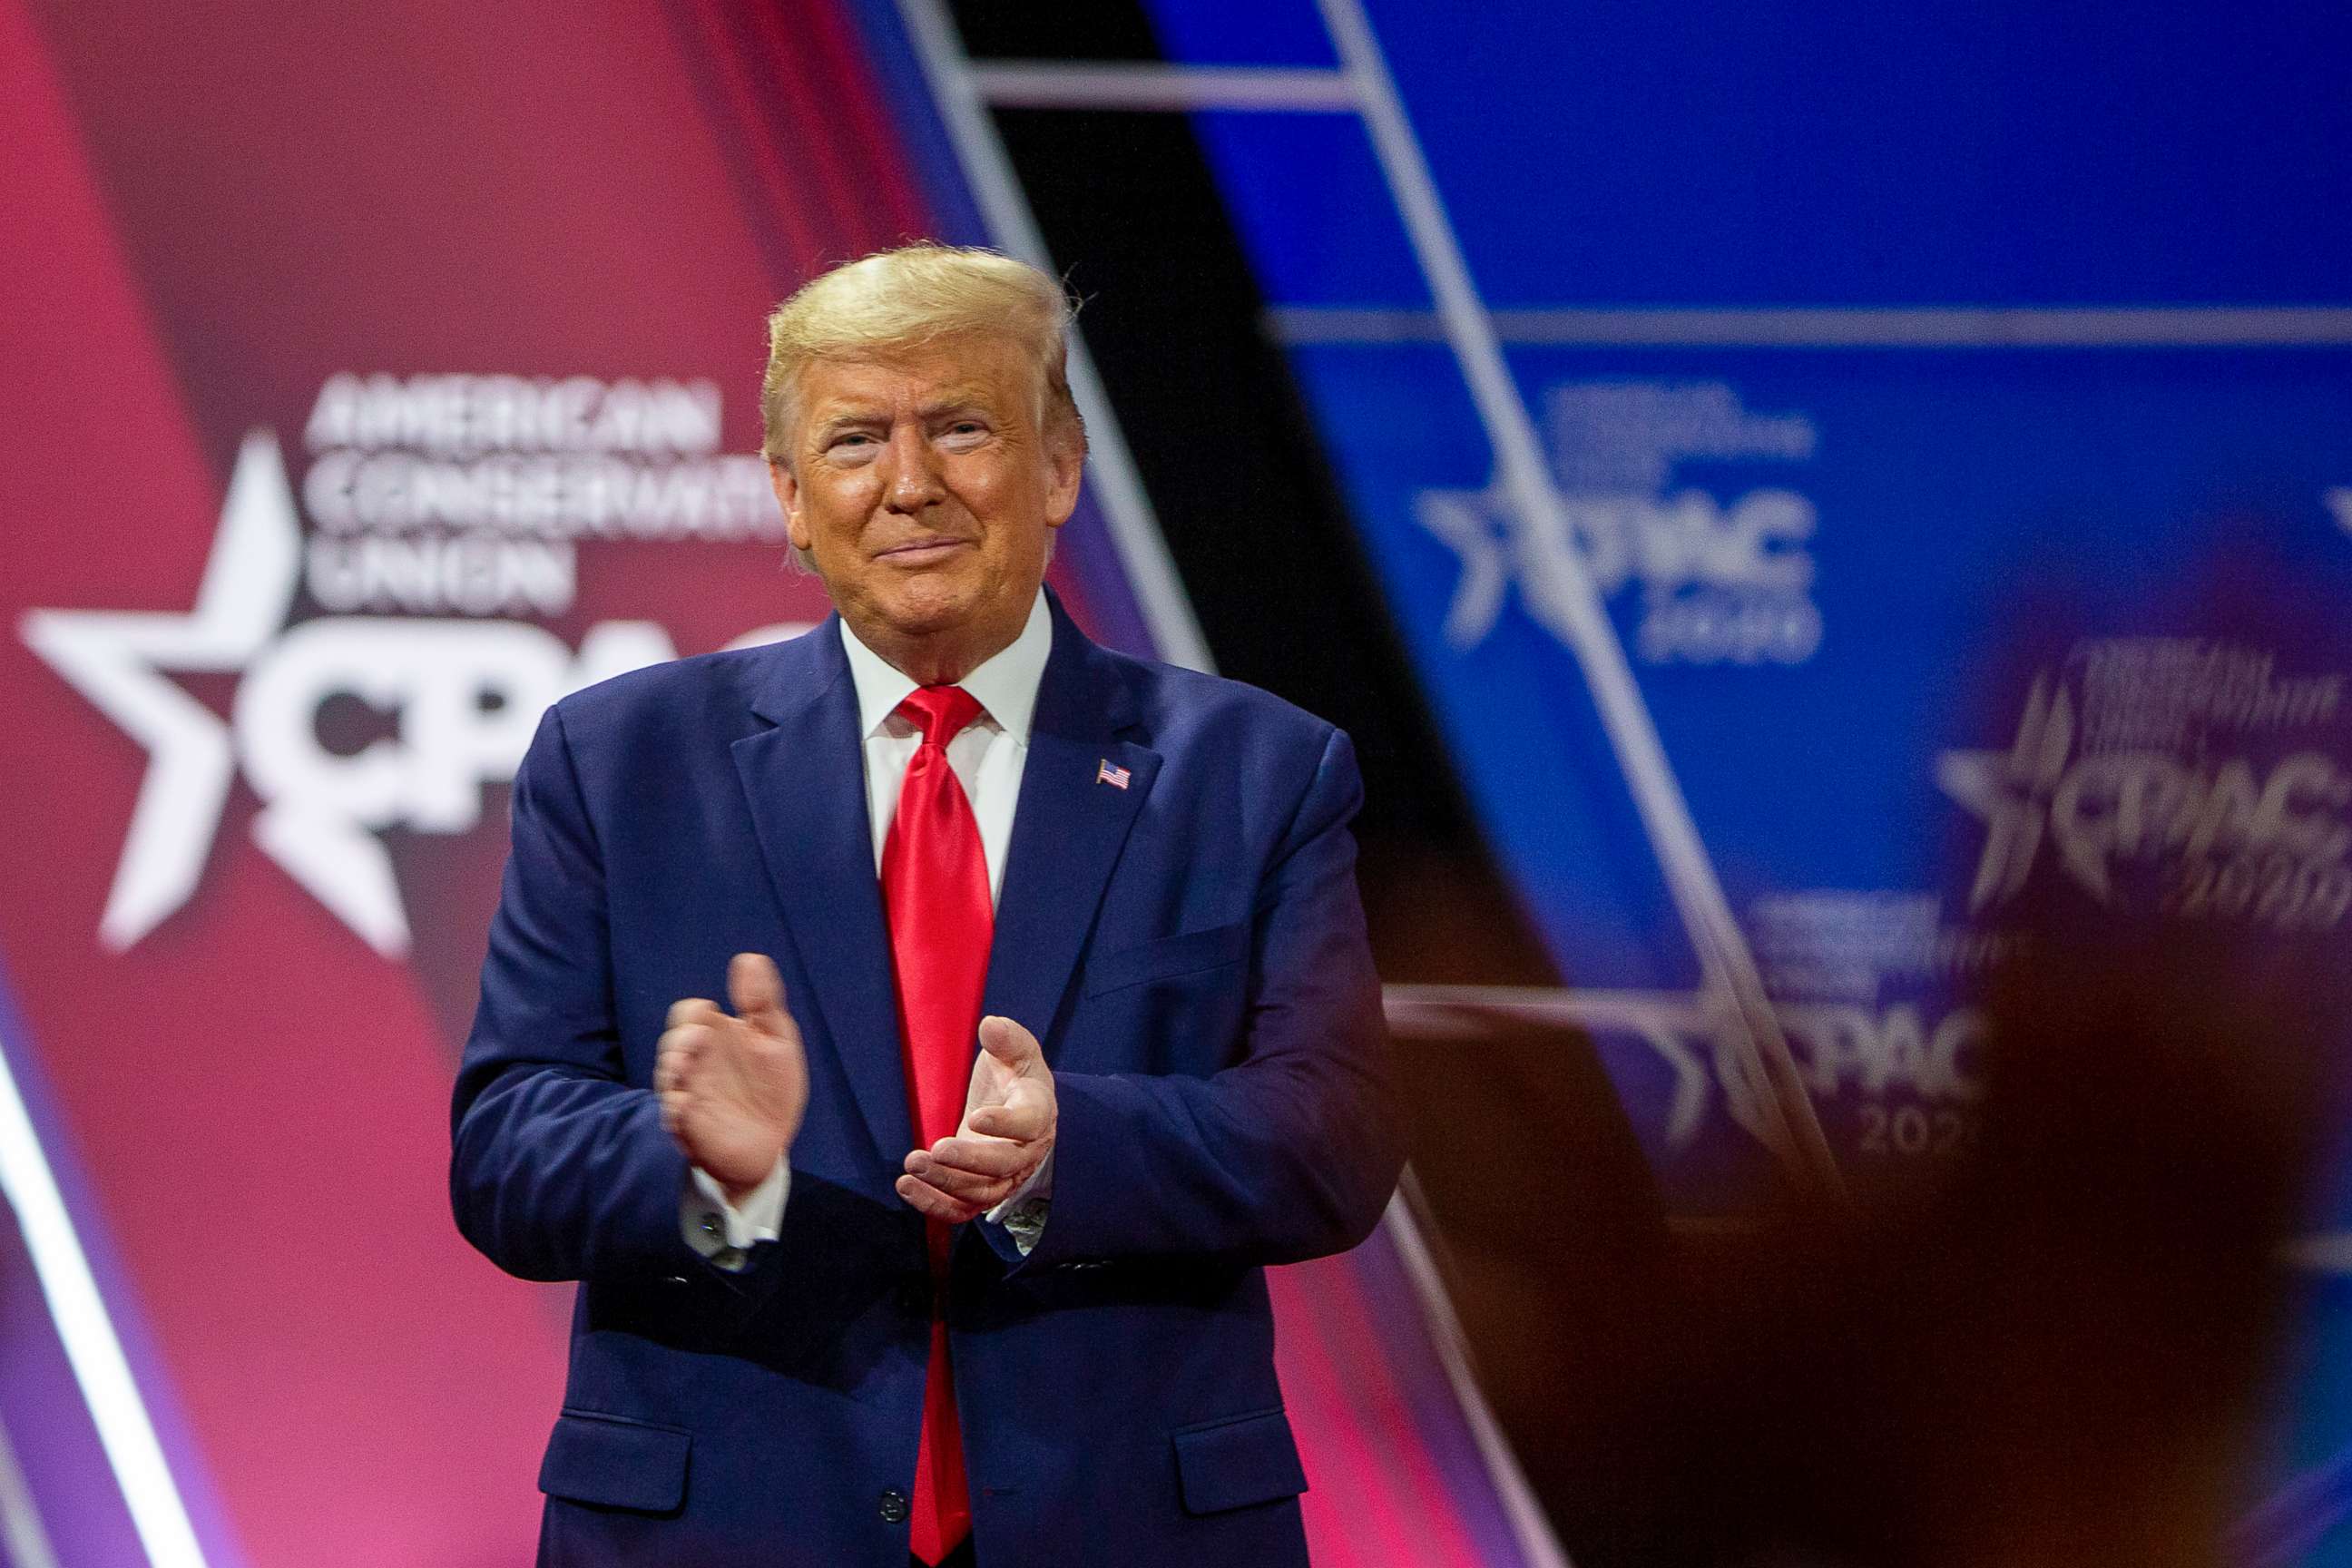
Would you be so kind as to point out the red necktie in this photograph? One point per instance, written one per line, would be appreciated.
(935, 888)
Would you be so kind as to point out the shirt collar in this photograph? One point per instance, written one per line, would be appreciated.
(1005, 685)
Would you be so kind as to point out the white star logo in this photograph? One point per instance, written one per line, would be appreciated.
(117, 659)
(465, 693)
(2010, 791)
(1471, 522)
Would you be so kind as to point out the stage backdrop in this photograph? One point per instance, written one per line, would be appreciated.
(1843, 357)
(373, 377)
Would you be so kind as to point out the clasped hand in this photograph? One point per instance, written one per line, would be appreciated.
(734, 1089)
(1007, 1130)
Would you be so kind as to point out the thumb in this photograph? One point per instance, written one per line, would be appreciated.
(1009, 1043)
(757, 991)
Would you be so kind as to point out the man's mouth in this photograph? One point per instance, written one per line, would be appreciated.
(922, 551)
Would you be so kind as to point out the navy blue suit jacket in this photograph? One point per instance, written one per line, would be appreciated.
(1189, 949)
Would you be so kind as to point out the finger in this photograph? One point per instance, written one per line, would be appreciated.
(679, 1051)
(692, 1010)
(964, 1186)
(978, 1186)
(1009, 1043)
(1022, 1121)
(980, 1156)
(758, 993)
(933, 1204)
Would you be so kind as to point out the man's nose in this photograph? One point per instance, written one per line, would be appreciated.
(910, 475)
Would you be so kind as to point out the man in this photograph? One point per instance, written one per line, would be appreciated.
(1050, 1020)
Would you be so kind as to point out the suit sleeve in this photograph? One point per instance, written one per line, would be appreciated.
(559, 1168)
(1292, 1151)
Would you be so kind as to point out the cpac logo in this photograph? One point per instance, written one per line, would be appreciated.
(1893, 1049)
(1722, 584)
(2100, 810)
(467, 695)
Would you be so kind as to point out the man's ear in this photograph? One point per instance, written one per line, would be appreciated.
(1066, 467)
(787, 496)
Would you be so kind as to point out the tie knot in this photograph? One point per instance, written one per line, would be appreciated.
(941, 712)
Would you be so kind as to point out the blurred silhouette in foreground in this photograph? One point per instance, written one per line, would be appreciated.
(2050, 1347)
(2052, 1353)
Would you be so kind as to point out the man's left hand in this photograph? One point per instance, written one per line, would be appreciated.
(1007, 1130)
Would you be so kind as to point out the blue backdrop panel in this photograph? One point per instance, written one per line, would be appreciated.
(1807, 556)
(1698, 151)
(1870, 351)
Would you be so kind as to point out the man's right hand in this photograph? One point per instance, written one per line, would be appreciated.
(733, 1088)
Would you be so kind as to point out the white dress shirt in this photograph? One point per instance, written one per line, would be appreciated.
(988, 758)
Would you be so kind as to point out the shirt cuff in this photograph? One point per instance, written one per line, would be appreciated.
(724, 1233)
(1023, 1215)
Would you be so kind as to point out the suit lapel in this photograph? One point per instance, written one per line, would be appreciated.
(1069, 827)
(805, 781)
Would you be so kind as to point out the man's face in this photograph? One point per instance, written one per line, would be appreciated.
(925, 489)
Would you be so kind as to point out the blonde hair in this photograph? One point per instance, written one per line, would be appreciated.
(895, 301)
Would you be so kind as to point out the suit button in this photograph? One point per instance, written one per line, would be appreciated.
(894, 1508)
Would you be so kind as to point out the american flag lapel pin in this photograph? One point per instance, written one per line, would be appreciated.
(1116, 777)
